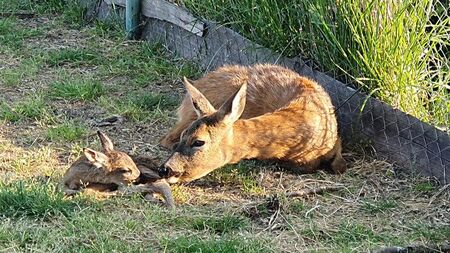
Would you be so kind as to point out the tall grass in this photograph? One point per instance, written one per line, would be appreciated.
(396, 50)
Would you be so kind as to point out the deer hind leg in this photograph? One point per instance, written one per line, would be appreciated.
(301, 167)
(186, 116)
(333, 160)
(338, 164)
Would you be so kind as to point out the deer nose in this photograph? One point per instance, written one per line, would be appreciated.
(165, 172)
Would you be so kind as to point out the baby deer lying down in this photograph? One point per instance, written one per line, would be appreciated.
(113, 172)
(262, 112)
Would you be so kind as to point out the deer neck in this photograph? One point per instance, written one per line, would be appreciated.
(250, 139)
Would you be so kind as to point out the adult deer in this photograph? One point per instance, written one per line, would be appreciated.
(264, 112)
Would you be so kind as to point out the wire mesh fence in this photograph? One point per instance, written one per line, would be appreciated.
(399, 138)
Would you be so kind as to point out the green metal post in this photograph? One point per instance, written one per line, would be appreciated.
(132, 13)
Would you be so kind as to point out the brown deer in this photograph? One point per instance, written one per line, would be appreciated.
(264, 112)
(112, 173)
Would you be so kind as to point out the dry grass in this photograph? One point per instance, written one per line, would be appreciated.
(243, 208)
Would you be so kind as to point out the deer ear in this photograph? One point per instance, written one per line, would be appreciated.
(233, 108)
(201, 105)
(95, 156)
(106, 142)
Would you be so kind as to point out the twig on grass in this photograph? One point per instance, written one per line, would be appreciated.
(311, 191)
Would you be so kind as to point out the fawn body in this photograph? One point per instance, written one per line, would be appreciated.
(113, 172)
(264, 112)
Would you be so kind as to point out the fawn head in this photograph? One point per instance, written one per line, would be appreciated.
(207, 143)
(118, 166)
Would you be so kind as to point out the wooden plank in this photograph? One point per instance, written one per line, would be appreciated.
(169, 12)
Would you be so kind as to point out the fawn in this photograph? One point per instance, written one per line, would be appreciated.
(113, 172)
(264, 112)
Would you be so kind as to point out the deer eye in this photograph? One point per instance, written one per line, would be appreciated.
(197, 143)
(125, 170)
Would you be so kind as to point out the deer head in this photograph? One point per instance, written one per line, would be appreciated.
(207, 143)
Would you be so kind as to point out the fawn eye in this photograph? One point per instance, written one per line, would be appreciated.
(197, 143)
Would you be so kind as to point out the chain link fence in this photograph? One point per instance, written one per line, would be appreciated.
(401, 139)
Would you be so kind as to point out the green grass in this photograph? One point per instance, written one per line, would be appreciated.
(140, 107)
(77, 89)
(221, 224)
(210, 245)
(30, 108)
(67, 131)
(11, 77)
(240, 174)
(12, 34)
(74, 56)
(424, 187)
(388, 49)
(37, 200)
(73, 12)
(15, 76)
(147, 63)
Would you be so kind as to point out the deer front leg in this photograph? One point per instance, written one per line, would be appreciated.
(160, 187)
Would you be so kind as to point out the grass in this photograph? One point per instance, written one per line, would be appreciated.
(218, 225)
(390, 49)
(241, 174)
(205, 245)
(12, 34)
(36, 200)
(33, 107)
(20, 73)
(140, 107)
(75, 56)
(67, 131)
(77, 89)
(379, 206)
(147, 63)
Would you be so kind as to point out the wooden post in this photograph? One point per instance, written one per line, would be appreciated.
(132, 13)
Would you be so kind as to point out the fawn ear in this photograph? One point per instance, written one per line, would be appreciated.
(233, 108)
(95, 156)
(201, 105)
(106, 142)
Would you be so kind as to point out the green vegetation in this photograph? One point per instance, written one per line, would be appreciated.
(77, 89)
(240, 174)
(36, 199)
(424, 187)
(210, 245)
(12, 34)
(75, 56)
(140, 107)
(30, 108)
(221, 224)
(391, 49)
(67, 131)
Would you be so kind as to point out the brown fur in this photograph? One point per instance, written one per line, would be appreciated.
(283, 116)
(107, 175)
(150, 181)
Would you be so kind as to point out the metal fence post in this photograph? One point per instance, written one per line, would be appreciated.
(132, 13)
